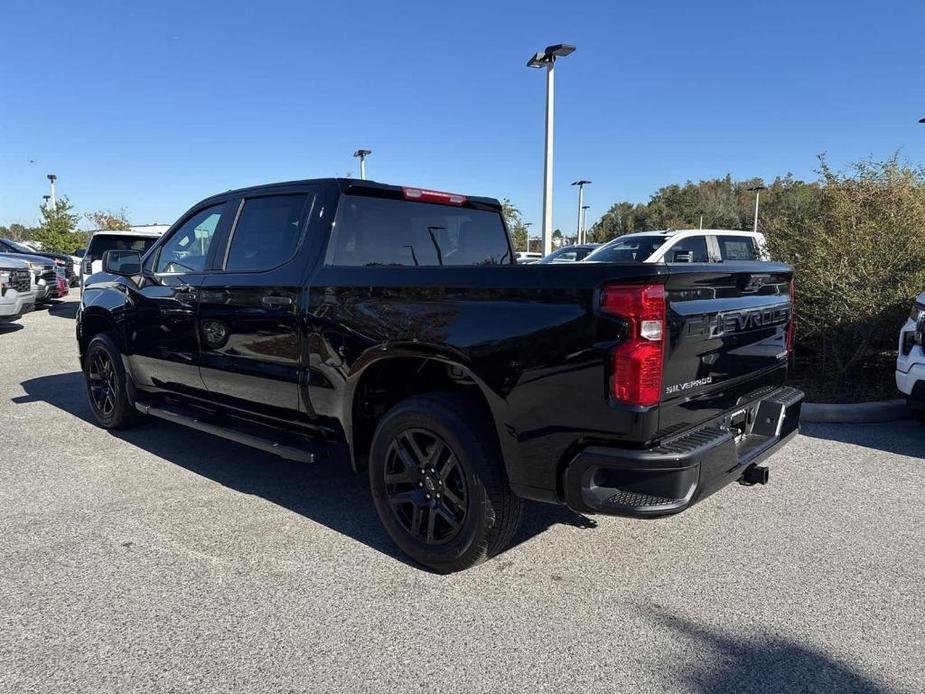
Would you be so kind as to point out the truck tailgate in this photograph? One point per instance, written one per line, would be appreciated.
(727, 342)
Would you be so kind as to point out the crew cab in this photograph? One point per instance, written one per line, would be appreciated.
(306, 317)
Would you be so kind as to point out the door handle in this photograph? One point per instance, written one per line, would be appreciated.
(276, 301)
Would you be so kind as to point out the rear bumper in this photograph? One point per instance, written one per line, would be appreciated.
(683, 470)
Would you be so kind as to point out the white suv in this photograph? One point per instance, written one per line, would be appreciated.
(103, 241)
(682, 246)
(910, 363)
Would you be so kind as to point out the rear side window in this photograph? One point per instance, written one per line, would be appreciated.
(693, 249)
(734, 248)
(380, 231)
(100, 244)
(267, 233)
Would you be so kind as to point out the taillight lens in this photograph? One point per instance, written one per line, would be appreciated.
(793, 310)
(636, 363)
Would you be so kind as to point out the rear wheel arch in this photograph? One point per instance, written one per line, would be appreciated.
(387, 381)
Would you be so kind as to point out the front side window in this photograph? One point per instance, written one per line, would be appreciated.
(378, 231)
(267, 232)
(187, 248)
(734, 248)
(693, 249)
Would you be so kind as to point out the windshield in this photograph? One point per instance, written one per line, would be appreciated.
(101, 244)
(631, 249)
(567, 254)
(20, 248)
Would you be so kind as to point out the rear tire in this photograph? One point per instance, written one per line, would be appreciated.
(438, 482)
(106, 382)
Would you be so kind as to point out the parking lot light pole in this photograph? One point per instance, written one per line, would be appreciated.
(547, 59)
(581, 201)
(362, 154)
(46, 198)
(584, 223)
(757, 190)
(51, 179)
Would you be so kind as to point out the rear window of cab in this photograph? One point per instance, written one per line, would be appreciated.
(372, 231)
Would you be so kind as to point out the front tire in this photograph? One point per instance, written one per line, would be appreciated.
(438, 482)
(106, 383)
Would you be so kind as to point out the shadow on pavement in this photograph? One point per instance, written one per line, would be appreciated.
(10, 327)
(906, 437)
(327, 492)
(64, 309)
(766, 663)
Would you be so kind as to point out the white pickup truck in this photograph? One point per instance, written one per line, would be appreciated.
(17, 293)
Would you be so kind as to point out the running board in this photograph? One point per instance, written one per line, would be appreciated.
(288, 452)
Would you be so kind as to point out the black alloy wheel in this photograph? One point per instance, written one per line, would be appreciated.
(425, 486)
(101, 377)
(108, 384)
(438, 481)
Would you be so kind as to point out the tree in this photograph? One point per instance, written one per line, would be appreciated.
(56, 231)
(107, 220)
(515, 225)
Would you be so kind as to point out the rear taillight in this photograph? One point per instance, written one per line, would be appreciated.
(636, 363)
(433, 196)
(793, 310)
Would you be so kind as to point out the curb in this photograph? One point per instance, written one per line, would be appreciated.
(855, 413)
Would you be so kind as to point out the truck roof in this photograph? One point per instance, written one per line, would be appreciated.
(676, 232)
(346, 185)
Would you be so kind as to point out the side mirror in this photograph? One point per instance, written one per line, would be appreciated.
(126, 263)
(682, 257)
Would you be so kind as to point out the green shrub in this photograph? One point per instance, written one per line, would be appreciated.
(859, 257)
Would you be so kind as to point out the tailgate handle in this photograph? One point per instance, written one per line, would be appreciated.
(276, 301)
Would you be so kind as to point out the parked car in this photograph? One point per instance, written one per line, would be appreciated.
(102, 241)
(45, 275)
(910, 362)
(569, 254)
(689, 245)
(59, 259)
(16, 289)
(394, 320)
(527, 257)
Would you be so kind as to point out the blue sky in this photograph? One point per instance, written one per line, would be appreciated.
(153, 106)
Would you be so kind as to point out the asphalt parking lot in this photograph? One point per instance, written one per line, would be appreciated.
(161, 559)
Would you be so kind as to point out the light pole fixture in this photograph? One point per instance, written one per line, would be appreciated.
(51, 179)
(921, 120)
(362, 154)
(581, 183)
(757, 190)
(547, 59)
(584, 222)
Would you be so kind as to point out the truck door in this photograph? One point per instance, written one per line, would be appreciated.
(162, 336)
(250, 309)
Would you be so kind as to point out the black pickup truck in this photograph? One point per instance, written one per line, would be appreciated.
(395, 322)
